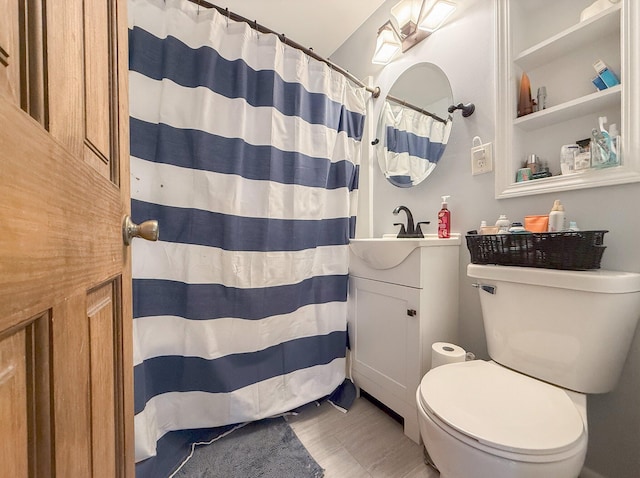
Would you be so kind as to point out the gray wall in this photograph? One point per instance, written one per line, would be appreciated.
(464, 51)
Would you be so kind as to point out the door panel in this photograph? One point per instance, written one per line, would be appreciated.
(89, 66)
(25, 412)
(13, 406)
(64, 178)
(98, 93)
(65, 74)
(10, 52)
(33, 60)
(38, 348)
(71, 392)
(102, 316)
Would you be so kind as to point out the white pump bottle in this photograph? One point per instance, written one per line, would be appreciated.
(557, 218)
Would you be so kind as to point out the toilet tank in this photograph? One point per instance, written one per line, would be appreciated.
(569, 328)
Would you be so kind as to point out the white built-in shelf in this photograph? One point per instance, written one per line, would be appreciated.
(587, 179)
(571, 109)
(603, 24)
(516, 136)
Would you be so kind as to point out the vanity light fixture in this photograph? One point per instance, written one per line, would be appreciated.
(405, 16)
(411, 21)
(388, 44)
(437, 15)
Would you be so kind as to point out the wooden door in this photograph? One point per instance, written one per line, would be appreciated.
(66, 387)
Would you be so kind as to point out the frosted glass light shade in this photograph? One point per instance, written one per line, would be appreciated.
(436, 16)
(405, 15)
(387, 45)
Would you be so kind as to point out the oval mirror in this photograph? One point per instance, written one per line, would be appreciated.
(414, 125)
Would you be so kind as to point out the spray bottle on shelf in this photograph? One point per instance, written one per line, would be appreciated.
(444, 220)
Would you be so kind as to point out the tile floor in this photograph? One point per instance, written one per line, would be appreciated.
(363, 443)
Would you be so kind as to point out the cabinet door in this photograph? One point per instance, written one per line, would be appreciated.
(385, 338)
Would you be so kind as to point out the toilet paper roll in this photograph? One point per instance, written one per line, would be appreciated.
(443, 353)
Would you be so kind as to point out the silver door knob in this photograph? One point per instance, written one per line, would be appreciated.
(148, 230)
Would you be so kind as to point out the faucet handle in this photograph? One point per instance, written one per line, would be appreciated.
(402, 232)
(419, 230)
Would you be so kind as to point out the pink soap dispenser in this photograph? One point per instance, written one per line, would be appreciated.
(444, 220)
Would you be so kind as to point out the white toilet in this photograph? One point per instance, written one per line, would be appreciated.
(553, 337)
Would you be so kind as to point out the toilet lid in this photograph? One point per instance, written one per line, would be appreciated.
(502, 408)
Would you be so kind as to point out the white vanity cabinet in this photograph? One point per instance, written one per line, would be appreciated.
(395, 315)
(546, 40)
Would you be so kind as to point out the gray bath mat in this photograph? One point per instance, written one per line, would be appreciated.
(265, 449)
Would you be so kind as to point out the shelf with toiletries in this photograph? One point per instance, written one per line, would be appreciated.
(547, 42)
(587, 104)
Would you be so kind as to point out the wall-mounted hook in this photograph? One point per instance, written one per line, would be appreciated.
(467, 110)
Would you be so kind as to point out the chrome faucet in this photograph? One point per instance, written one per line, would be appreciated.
(410, 230)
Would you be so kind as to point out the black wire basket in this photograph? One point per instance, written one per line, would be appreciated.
(571, 250)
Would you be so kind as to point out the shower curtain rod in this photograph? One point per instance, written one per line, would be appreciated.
(375, 91)
(415, 108)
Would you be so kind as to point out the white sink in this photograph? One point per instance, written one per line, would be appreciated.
(389, 251)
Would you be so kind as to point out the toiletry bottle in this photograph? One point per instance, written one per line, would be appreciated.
(557, 217)
(568, 154)
(525, 105)
(601, 153)
(614, 136)
(533, 163)
(517, 228)
(503, 224)
(444, 220)
(542, 98)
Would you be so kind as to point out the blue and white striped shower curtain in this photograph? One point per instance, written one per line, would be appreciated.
(247, 153)
(413, 143)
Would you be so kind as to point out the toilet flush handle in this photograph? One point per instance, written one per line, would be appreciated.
(491, 289)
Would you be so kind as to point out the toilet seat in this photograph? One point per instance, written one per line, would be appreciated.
(503, 410)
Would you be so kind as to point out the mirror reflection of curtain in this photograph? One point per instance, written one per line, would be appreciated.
(413, 143)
